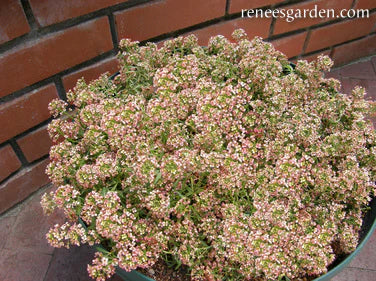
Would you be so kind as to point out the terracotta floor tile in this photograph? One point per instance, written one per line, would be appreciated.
(335, 73)
(361, 70)
(348, 84)
(370, 86)
(3, 257)
(23, 265)
(6, 225)
(373, 60)
(13, 211)
(355, 274)
(71, 265)
(31, 227)
(367, 257)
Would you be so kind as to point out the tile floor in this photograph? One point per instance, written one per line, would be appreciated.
(26, 256)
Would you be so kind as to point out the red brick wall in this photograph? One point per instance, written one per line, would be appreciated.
(46, 45)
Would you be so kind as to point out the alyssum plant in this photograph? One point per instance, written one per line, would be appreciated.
(223, 158)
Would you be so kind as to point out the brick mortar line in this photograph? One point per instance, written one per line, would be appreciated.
(51, 79)
(112, 52)
(91, 61)
(373, 66)
(4, 144)
(85, 64)
(10, 176)
(61, 26)
(28, 131)
(354, 4)
(113, 29)
(338, 45)
(291, 2)
(60, 87)
(165, 36)
(227, 7)
(362, 59)
(57, 81)
(192, 28)
(271, 28)
(115, 8)
(19, 153)
(29, 14)
(23, 168)
(4, 214)
(306, 41)
(331, 51)
(111, 10)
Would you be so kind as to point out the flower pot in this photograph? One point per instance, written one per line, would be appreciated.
(368, 227)
(206, 170)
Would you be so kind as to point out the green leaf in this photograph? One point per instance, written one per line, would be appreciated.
(101, 249)
(158, 177)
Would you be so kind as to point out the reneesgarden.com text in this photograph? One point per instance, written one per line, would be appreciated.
(291, 14)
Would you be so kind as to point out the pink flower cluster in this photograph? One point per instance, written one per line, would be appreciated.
(223, 158)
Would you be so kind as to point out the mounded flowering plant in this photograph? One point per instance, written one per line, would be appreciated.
(223, 158)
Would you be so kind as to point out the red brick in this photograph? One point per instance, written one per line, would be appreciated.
(9, 162)
(291, 45)
(51, 54)
(25, 112)
(36, 144)
(314, 56)
(340, 32)
(13, 22)
(91, 72)
(354, 50)
(253, 27)
(281, 25)
(21, 185)
(238, 5)
(153, 19)
(49, 12)
(365, 4)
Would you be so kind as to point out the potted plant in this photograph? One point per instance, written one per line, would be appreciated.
(224, 159)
